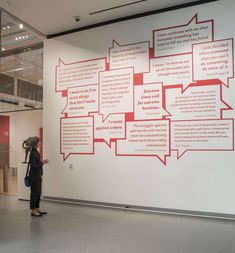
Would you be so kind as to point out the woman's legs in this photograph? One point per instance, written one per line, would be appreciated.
(37, 204)
(35, 195)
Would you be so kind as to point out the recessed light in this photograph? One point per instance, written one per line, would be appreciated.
(23, 37)
(8, 27)
(4, 28)
(20, 38)
(21, 26)
(16, 38)
(3, 49)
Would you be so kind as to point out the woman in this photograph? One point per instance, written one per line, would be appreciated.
(36, 172)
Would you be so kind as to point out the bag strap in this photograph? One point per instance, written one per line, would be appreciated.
(27, 171)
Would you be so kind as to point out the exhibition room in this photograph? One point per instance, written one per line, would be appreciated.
(117, 126)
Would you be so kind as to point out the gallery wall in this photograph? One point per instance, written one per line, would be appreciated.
(22, 125)
(141, 113)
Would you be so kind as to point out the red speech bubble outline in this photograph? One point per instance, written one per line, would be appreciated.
(170, 83)
(116, 44)
(165, 112)
(64, 110)
(105, 116)
(214, 41)
(194, 18)
(162, 159)
(61, 62)
(109, 141)
(65, 155)
(202, 84)
(180, 154)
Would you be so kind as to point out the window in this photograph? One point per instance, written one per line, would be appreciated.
(30, 91)
(6, 84)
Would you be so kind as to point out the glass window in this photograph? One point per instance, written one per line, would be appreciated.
(6, 84)
(30, 91)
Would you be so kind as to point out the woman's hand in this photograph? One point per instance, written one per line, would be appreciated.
(45, 161)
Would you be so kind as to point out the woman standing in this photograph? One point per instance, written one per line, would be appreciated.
(36, 172)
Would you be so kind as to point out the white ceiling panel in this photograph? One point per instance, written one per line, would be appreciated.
(54, 16)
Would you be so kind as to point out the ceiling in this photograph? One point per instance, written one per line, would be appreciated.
(22, 32)
(21, 57)
(14, 34)
(53, 16)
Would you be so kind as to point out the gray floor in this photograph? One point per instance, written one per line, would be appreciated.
(82, 229)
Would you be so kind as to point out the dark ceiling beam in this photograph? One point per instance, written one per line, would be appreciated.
(181, 6)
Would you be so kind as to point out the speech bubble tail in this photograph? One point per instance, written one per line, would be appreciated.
(166, 113)
(60, 62)
(108, 142)
(194, 19)
(162, 158)
(184, 87)
(225, 106)
(180, 153)
(65, 156)
(115, 44)
(104, 117)
(225, 82)
(64, 111)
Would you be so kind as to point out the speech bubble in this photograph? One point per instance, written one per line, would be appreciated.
(149, 102)
(112, 129)
(179, 39)
(78, 73)
(202, 135)
(131, 55)
(146, 138)
(214, 60)
(116, 91)
(82, 100)
(170, 70)
(196, 102)
(76, 136)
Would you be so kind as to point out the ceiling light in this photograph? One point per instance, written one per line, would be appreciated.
(21, 26)
(20, 38)
(8, 27)
(17, 38)
(3, 49)
(21, 104)
(4, 28)
(40, 82)
(23, 37)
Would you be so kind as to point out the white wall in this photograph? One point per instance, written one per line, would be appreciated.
(22, 126)
(198, 181)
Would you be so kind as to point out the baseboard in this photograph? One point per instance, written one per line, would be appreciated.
(208, 215)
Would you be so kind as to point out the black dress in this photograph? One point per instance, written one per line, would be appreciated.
(36, 172)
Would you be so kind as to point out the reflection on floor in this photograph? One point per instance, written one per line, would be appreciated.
(12, 182)
(77, 229)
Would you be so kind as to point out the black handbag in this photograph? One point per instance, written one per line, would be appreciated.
(27, 179)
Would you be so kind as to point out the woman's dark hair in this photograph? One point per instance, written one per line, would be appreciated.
(34, 141)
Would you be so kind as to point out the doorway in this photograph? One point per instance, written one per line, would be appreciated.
(8, 175)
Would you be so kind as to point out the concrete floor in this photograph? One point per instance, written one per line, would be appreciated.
(71, 229)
